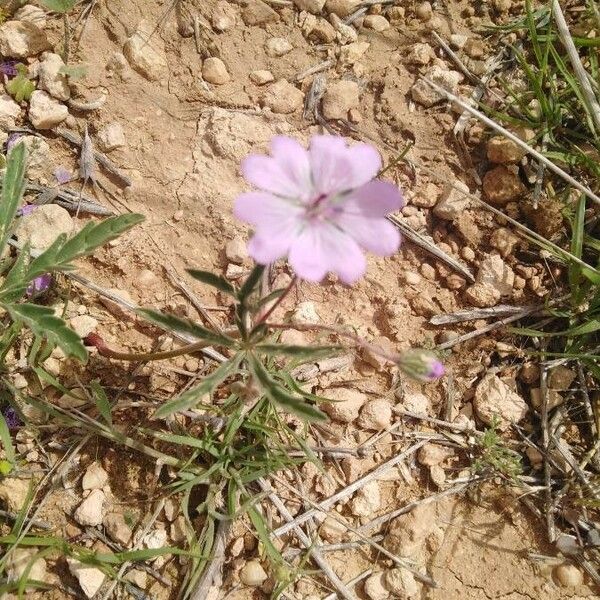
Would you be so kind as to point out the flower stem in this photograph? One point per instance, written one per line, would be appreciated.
(279, 300)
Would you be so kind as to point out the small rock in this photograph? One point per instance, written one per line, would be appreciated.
(345, 33)
(256, 12)
(42, 226)
(416, 403)
(45, 112)
(90, 579)
(138, 577)
(51, 79)
(376, 22)
(407, 533)
(252, 574)
(422, 93)
(261, 77)
(18, 563)
(504, 240)
(9, 112)
(560, 378)
(236, 251)
(117, 528)
(21, 39)
(455, 282)
(411, 278)
(319, 30)
(482, 295)
(111, 137)
(428, 272)
(278, 46)
(501, 186)
(94, 478)
(424, 11)
(144, 52)
(215, 71)
(340, 97)
(283, 98)
(32, 14)
(293, 337)
(420, 54)
(233, 272)
(433, 454)
(374, 358)
(494, 272)
(13, 492)
(155, 539)
(349, 402)
(83, 325)
(453, 202)
(342, 8)
(375, 588)
(312, 6)
(332, 529)
(475, 48)
(427, 197)
(352, 53)
(402, 583)
(494, 399)
(146, 279)
(501, 150)
(375, 415)
(223, 17)
(367, 500)
(178, 530)
(76, 398)
(90, 511)
(568, 575)
(458, 41)
(437, 475)
(305, 313)
(554, 399)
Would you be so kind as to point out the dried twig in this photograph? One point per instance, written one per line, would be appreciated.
(459, 316)
(323, 66)
(352, 582)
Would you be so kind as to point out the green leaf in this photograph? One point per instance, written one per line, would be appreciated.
(73, 71)
(281, 397)
(59, 6)
(300, 352)
(186, 440)
(44, 323)
(179, 325)
(213, 280)
(262, 531)
(6, 440)
(20, 87)
(12, 191)
(102, 401)
(251, 282)
(190, 398)
(15, 284)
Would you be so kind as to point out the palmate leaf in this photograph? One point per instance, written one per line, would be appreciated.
(282, 397)
(12, 191)
(44, 323)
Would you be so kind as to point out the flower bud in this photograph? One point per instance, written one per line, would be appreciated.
(422, 365)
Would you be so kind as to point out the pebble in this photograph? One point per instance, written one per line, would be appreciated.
(117, 528)
(452, 202)
(146, 280)
(375, 415)
(51, 79)
(427, 271)
(332, 529)
(347, 406)
(494, 272)
(233, 272)
(455, 282)
(501, 185)
(236, 250)
(89, 578)
(374, 587)
(252, 574)
(560, 378)
(423, 94)
(312, 6)
(494, 399)
(305, 313)
(426, 197)
(417, 403)
(90, 511)
(83, 325)
(375, 359)
(376, 22)
(342, 8)
(345, 33)
(554, 398)
(282, 97)
(367, 500)
(13, 492)
(352, 53)
(111, 137)
(433, 454)
(18, 563)
(424, 11)
(256, 12)
(22, 39)
(32, 14)
(482, 296)
(94, 478)
(458, 41)
(319, 30)
(9, 112)
(475, 48)
(504, 240)
(155, 539)
(568, 575)
(501, 150)
(278, 46)
(214, 71)
(42, 226)
(178, 530)
(437, 475)
(261, 77)
(407, 533)
(411, 278)
(45, 112)
(402, 583)
(223, 17)
(137, 577)
(468, 254)
(144, 52)
(74, 399)
(171, 509)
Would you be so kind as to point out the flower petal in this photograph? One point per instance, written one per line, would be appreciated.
(267, 247)
(294, 162)
(374, 199)
(365, 161)
(323, 247)
(330, 165)
(264, 210)
(267, 173)
(375, 234)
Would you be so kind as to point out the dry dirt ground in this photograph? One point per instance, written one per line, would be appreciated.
(185, 139)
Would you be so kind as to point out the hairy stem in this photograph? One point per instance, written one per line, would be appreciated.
(279, 300)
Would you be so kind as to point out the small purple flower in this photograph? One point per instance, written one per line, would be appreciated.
(12, 418)
(39, 285)
(12, 139)
(9, 68)
(422, 365)
(63, 175)
(320, 207)
(26, 209)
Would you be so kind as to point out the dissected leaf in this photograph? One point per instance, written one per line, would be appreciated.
(20, 87)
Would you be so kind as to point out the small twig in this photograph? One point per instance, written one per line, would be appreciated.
(455, 58)
(351, 583)
(551, 527)
(322, 66)
(475, 314)
(35, 522)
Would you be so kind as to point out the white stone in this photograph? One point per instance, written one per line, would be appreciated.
(252, 574)
(223, 17)
(568, 575)
(420, 54)
(236, 251)
(433, 454)
(17, 564)
(416, 403)
(111, 137)
(402, 584)
(42, 226)
(261, 77)
(376, 415)
(341, 96)
(305, 313)
(83, 325)
(144, 52)
(214, 71)
(45, 112)
(117, 528)
(51, 79)
(494, 399)
(90, 579)
(347, 406)
(424, 94)
(32, 14)
(342, 8)
(367, 500)
(332, 528)
(352, 53)
(452, 202)
(9, 112)
(94, 478)
(90, 511)
(375, 588)
(21, 39)
(494, 272)
(13, 492)
(155, 539)
(283, 98)
(311, 6)
(376, 22)
(278, 46)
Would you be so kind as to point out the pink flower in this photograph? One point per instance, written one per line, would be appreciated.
(320, 207)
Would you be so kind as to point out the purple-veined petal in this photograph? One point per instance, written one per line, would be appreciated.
(294, 162)
(375, 234)
(374, 199)
(264, 210)
(365, 161)
(330, 164)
